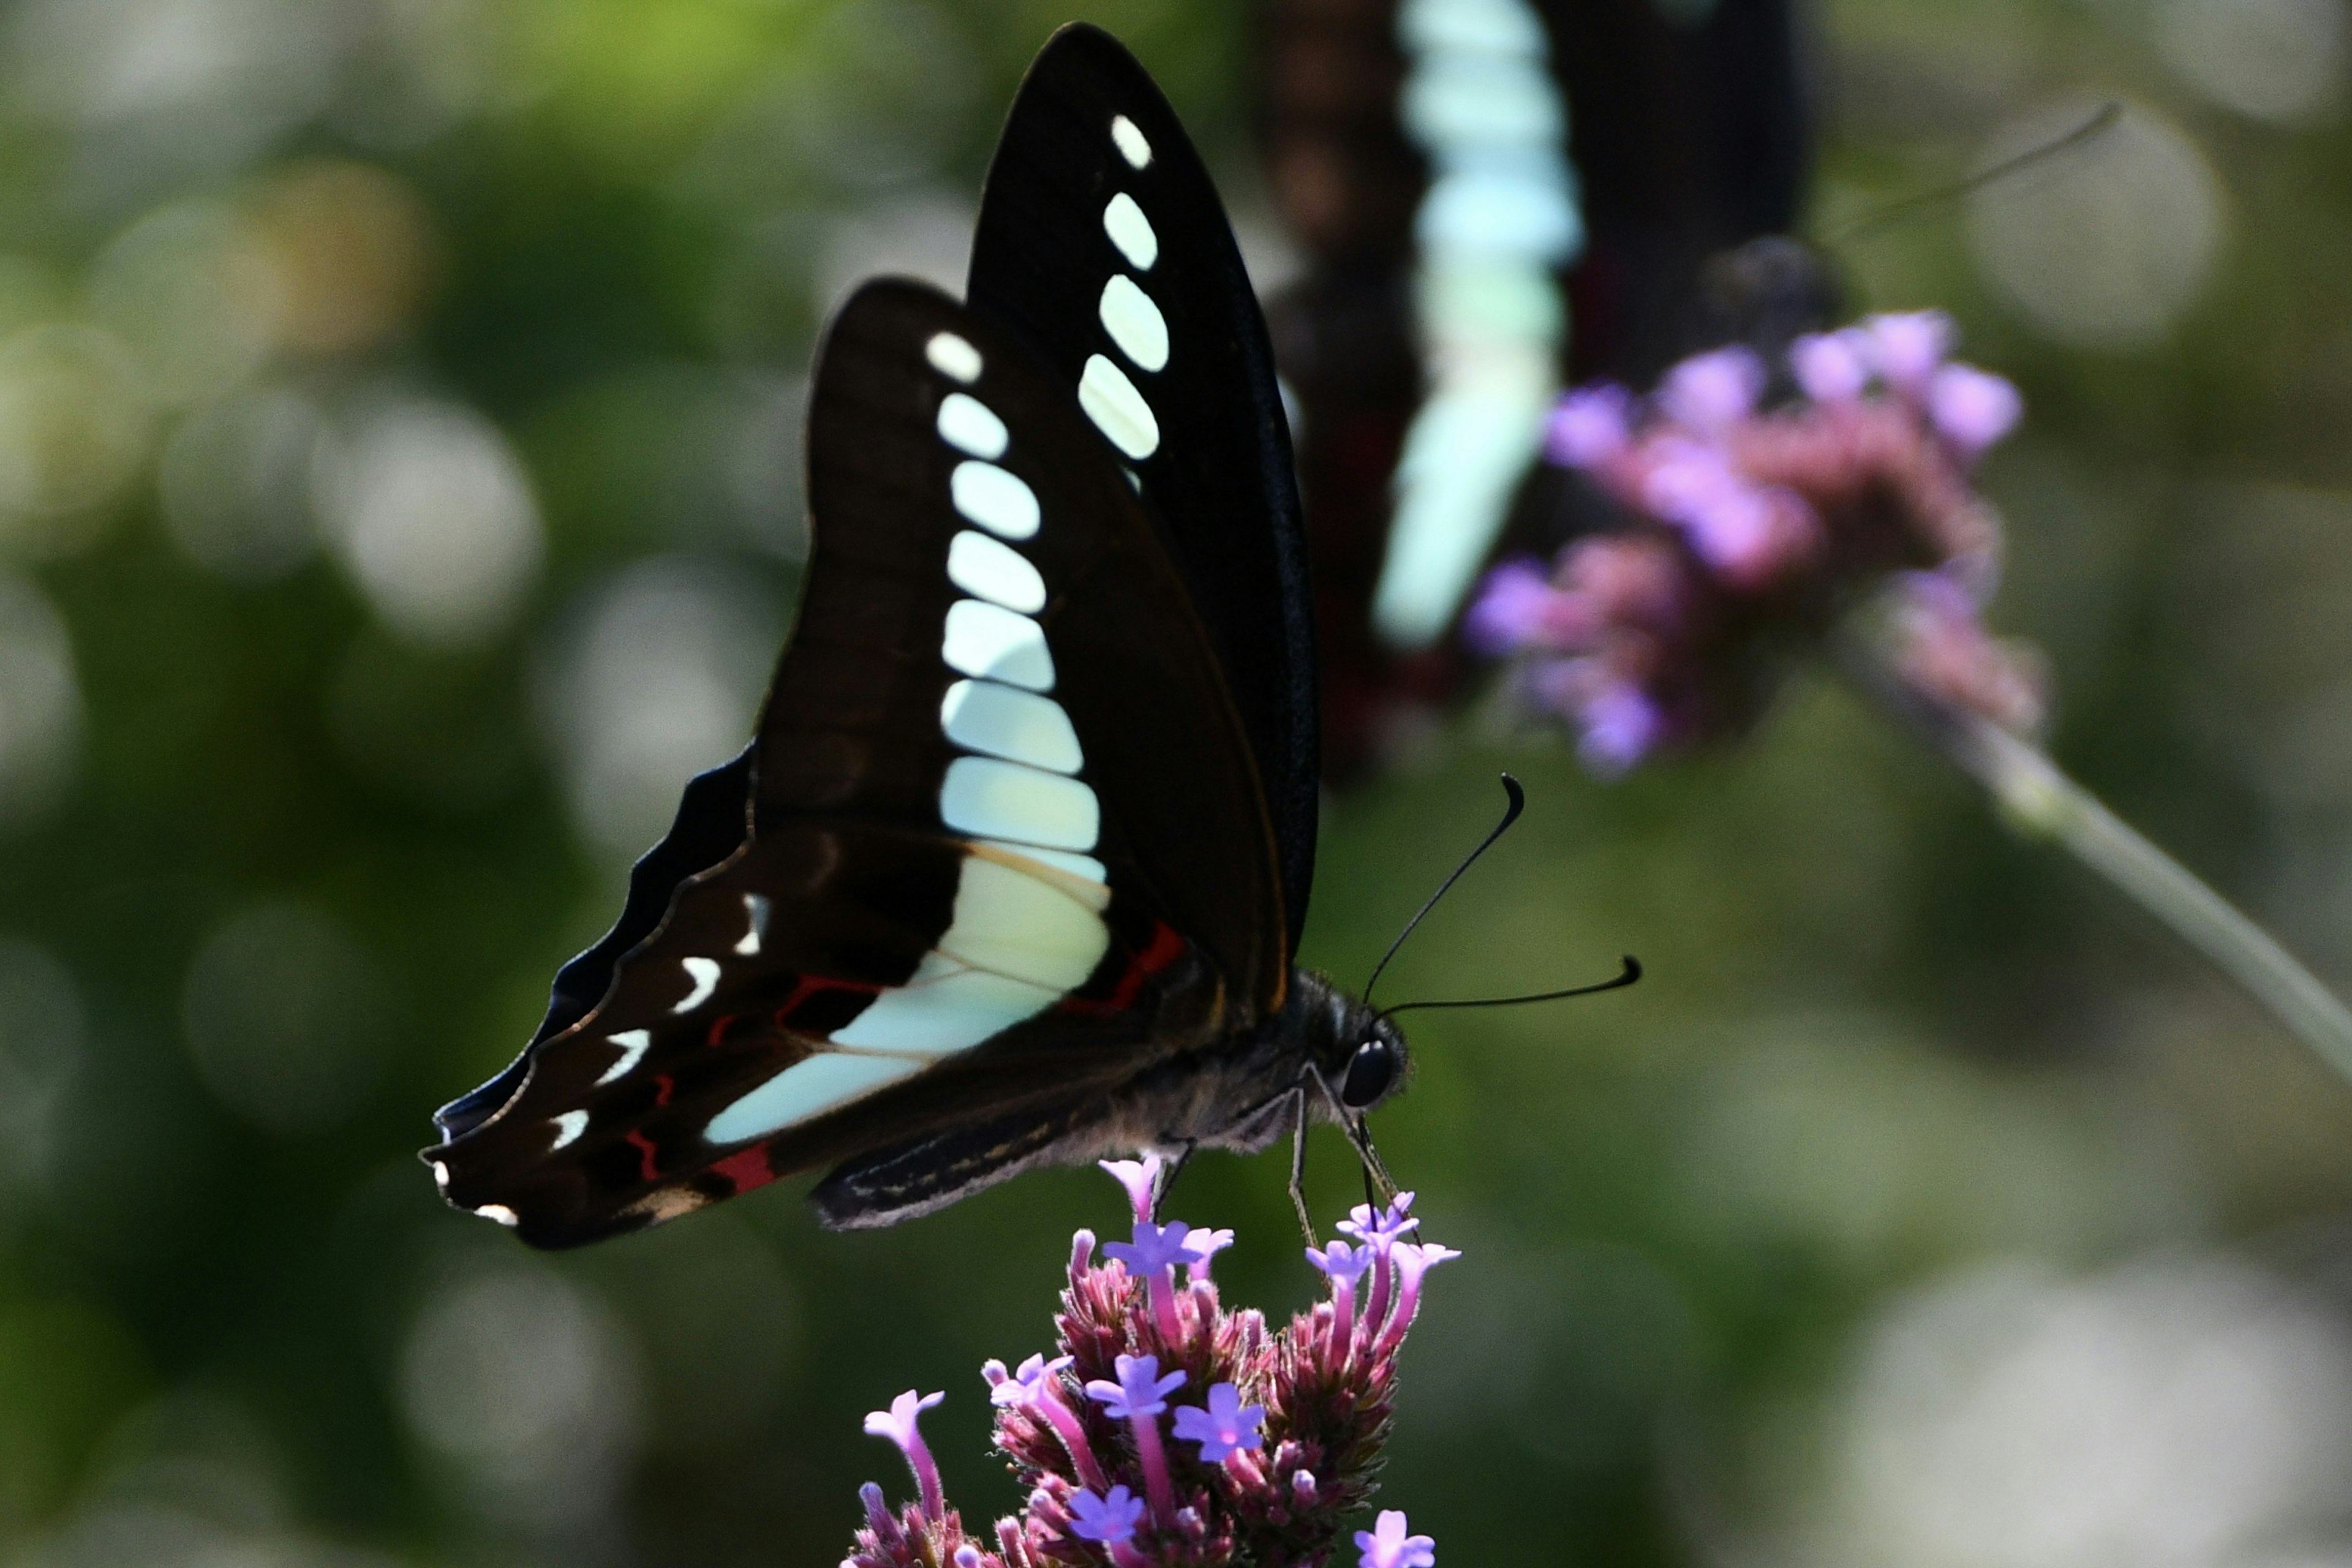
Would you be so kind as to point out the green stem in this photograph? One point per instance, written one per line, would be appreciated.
(2041, 799)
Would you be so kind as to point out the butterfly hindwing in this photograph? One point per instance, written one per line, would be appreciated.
(999, 842)
(1102, 240)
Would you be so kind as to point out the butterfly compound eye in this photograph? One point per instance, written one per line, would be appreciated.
(1369, 1072)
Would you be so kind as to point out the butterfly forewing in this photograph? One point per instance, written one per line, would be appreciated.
(998, 843)
(1102, 240)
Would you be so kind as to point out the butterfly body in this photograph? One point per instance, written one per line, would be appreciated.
(1014, 868)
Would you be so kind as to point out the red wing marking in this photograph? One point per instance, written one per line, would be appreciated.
(662, 1085)
(1165, 949)
(645, 1147)
(747, 1169)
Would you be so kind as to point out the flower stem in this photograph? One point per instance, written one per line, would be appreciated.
(1157, 1485)
(2035, 795)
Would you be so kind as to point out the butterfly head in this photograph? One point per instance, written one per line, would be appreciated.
(1358, 1054)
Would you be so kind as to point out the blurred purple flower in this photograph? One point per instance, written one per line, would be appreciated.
(1830, 367)
(1590, 425)
(1908, 347)
(1711, 390)
(1973, 408)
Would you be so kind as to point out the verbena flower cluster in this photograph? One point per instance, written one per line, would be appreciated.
(1168, 1430)
(1752, 528)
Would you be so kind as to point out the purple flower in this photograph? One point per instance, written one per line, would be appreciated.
(1830, 367)
(1512, 609)
(1156, 1248)
(900, 1424)
(1972, 408)
(1711, 390)
(1140, 1391)
(1225, 1425)
(1381, 1230)
(1142, 1180)
(1386, 1545)
(1588, 426)
(1024, 1386)
(1908, 347)
(1344, 1264)
(1106, 1519)
(1621, 726)
(1202, 1245)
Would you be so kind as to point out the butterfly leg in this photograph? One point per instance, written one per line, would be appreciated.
(1168, 1174)
(1360, 1133)
(1299, 1162)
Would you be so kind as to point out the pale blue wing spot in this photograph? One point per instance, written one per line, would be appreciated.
(982, 716)
(1134, 323)
(633, 1044)
(1117, 409)
(1132, 232)
(568, 1127)
(805, 1089)
(952, 1011)
(993, 799)
(1128, 138)
(1083, 867)
(996, 644)
(1010, 923)
(703, 973)
(988, 569)
(969, 424)
(1000, 502)
(953, 357)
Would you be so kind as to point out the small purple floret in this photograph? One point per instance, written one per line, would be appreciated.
(1140, 1391)
(1026, 1383)
(1972, 408)
(1142, 1180)
(1711, 390)
(1225, 1425)
(1203, 1245)
(1381, 1230)
(1510, 611)
(1588, 426)
(1909, 346)
(1344, 1264)
(1621, 726)
(1830, 367)
(1105, 1518)
(1386, 1545)
(900, 1424)
(1156, 1248)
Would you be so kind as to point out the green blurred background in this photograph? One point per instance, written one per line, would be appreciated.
(398, 499)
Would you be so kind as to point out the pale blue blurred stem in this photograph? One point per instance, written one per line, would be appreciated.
(2034, 794)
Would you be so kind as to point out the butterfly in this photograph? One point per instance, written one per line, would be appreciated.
(1014, 869)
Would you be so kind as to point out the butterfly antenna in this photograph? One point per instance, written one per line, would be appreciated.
(1625, 977)
(2100, 122)
(1510, 815)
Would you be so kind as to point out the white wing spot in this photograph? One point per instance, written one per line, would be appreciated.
(501, 1213)
(1132, 232)
(997, 573)
(999, 501)
(1130, 141)
(1134, 323)
(755, 912)
(703, 973)
(992, 642)
(953, 357)
(568, 1127)
(993, 799)
(440, 1175)
(982, 716)
(633, 1044)
(970, 426)
(1117, 410)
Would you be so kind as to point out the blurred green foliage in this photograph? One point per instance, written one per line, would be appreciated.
(305, 802)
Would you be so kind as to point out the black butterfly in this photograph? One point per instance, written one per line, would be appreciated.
(1014, 869)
